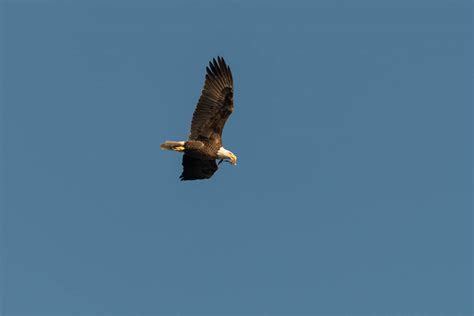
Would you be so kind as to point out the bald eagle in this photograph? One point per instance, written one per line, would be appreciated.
(214, 107)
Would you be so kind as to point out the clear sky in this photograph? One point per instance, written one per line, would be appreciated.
(353, 128)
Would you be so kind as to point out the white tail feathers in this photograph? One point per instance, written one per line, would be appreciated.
(171, 145)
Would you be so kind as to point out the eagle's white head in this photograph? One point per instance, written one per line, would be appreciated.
(227, 155)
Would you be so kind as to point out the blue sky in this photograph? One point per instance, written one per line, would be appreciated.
(353, 128)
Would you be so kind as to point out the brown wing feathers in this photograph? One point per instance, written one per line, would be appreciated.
(215, 104)
(196, 168)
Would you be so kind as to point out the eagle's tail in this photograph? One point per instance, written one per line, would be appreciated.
(171, 145)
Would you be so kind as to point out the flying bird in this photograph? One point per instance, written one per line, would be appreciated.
(214, 107)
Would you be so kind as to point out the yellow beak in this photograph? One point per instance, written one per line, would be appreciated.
(233, 159)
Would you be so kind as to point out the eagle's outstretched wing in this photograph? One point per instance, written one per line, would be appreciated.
(196, 169)
(215, 104)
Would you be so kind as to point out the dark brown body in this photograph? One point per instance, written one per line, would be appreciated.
(199, 160)
(202, 150)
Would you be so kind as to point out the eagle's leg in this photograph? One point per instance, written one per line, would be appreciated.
(172, 145)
